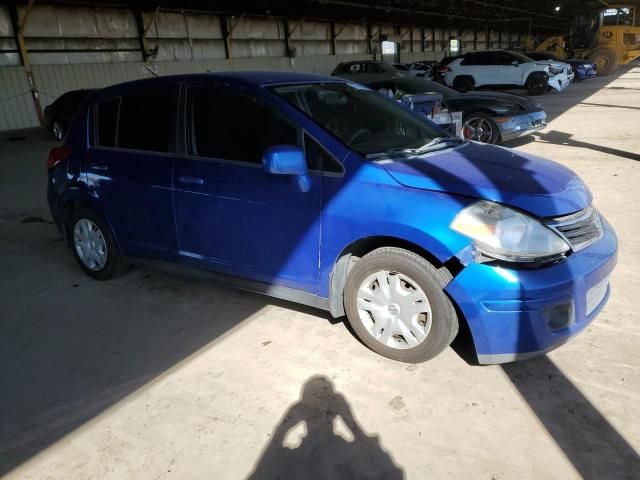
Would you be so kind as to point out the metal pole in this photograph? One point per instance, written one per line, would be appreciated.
(18, 29)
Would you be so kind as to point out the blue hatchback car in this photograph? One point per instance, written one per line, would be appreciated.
(322, 192)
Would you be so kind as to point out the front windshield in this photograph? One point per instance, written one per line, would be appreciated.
(419, 85)
(362, 119)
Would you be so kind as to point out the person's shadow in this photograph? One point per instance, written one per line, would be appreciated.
(322, 453)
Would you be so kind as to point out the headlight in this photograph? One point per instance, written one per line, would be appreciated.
(505, 234)
(555, 69)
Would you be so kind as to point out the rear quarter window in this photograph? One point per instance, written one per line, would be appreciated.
(106, 122)
(147, 119)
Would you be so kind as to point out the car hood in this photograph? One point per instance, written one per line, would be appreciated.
(499, 98)
(541, 187)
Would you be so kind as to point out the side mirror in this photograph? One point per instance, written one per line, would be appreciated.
(515, 63)
(287, 160)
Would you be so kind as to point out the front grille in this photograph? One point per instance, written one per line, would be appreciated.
(579, 229)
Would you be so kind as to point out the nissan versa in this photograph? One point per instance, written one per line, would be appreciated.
(320, 191)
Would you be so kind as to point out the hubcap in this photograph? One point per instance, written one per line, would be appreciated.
(483, 130)
(394, 309)
(90, 244)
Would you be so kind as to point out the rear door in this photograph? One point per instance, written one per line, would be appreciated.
(480, 66)
(232, 216)
(129, 167)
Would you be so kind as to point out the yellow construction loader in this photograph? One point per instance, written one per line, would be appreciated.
(608, 37)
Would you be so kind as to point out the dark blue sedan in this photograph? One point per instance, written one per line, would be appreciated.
(322, 192)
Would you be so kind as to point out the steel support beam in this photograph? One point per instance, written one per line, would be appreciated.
(226, 36)
(18, 29)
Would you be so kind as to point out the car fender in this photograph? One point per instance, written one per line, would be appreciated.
(75, 196)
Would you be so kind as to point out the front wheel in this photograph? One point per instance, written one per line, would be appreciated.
(606, 60)
(537, 84)
(395, 304)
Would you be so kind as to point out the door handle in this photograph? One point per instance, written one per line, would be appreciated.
(191, 180)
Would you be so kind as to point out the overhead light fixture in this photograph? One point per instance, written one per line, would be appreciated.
(557, 8)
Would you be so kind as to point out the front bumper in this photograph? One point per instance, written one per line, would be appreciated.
(513, 313)
(560, 81)
(521, 125)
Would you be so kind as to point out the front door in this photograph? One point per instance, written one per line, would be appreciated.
(129, 168)
(231, 215)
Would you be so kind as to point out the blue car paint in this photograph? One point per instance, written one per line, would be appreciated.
(583, 70)
(267, 229)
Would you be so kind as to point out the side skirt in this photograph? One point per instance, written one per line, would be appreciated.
(276, 291)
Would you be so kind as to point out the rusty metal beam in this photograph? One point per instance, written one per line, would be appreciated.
(226, 36)
(18, 29)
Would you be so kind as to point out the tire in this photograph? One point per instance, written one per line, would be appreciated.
(434, 331)
(112, 264)
(57, 130)
(463, 84)
(537, 83)
(606, 60)
(480, 120)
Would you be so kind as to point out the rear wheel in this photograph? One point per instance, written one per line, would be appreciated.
(537, 83)
(482, 129)
(395, 304)
(605, 59)
(463, 84)
(93, 245)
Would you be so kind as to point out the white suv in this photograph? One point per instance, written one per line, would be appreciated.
(497, 68)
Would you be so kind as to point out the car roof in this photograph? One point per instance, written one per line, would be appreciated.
(240, 78)
(352, 62)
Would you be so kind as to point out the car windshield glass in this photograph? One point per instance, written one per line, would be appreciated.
(419, 85)
(364, 120)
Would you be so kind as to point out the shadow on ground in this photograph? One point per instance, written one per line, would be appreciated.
(319, 437)
(594, 447)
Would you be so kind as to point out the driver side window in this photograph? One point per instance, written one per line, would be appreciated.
(229, 126)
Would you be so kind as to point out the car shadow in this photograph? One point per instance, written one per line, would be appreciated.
(563, 138)
(319, 450)
(587, 439)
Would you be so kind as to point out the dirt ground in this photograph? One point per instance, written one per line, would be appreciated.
(157, 376)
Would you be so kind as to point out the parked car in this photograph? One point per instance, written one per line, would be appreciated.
(441, 67)
(417, 69)
(323, 192)
(58, 115)
(582, 69)
(493, 117)
(502, 68)
(422, 70)
(366, 71)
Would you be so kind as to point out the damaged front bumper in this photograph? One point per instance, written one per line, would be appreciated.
(516, 313)
(560, 81)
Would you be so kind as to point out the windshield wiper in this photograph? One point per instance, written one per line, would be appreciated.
(436, 142)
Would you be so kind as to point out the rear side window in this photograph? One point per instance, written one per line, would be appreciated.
(229, 126)
(484, 58)
(107, 122)
(374, 68)
(147, 119)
